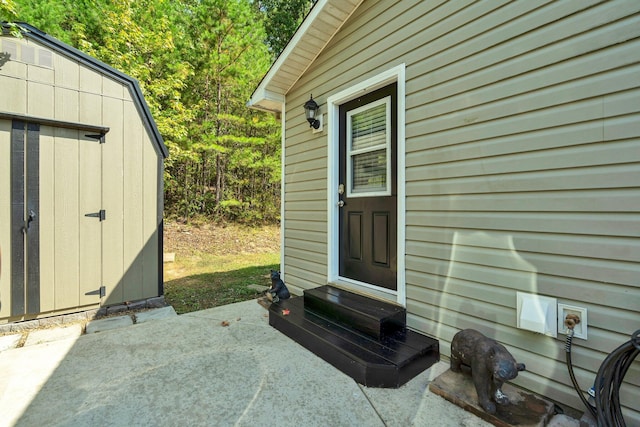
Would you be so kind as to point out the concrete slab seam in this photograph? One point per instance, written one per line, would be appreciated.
(360, 386)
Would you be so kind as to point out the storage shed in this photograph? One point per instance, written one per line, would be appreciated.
(477, 163)
(81, 182)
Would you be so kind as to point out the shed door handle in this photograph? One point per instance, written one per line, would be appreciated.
(30, 218)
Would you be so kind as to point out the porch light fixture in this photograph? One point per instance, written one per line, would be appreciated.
(311, 110)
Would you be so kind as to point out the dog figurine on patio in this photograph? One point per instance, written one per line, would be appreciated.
(278, 289)
(491, 365)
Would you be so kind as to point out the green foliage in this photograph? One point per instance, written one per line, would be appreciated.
(197, 62)
(7, 16)
(281, 20)
(66, 20)
(7, 10)
(230, 59)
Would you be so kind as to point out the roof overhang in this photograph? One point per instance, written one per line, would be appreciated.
(316, 31)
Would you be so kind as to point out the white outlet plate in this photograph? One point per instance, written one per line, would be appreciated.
(580, 331)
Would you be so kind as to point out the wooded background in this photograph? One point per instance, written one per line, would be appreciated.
(197, 62)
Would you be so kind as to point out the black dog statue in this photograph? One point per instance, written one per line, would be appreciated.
(491, 365)
(278, 289)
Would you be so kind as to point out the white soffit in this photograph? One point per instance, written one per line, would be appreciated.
(321, 24)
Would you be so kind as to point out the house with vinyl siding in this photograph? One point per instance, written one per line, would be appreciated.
(474, 159)
(81, 192)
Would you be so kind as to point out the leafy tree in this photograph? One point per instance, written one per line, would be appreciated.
(281, 20)
(197, 62)
(7, 10)
(66, 20)
(8, 15)
(135, 37)
(227, 50)
(139, 37)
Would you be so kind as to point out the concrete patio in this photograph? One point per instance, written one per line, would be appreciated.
(220, 367)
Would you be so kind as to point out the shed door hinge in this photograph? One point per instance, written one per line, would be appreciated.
(98, 137)
(101, 215)
(102, 292)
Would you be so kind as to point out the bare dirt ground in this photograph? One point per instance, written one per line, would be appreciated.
(215, 239)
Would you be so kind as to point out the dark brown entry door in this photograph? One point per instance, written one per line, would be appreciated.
(368, 190)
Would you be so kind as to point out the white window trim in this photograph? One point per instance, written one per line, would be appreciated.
(386, 146)
(397, 75)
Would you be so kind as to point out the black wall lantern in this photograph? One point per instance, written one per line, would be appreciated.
(311, 110)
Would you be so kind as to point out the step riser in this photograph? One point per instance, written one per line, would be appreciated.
(372, 317)
(337, 359)
(389, 362)
(369, 376)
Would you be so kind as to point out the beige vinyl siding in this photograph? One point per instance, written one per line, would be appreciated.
(522, 169)
(305, 211)
(305, 208)
(530, 149)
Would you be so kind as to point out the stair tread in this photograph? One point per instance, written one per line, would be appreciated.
(403, 342)
(396, 349)
(373, 317)
(354, 302)
(365, 338)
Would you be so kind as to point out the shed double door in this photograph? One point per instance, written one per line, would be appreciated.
(56, 218)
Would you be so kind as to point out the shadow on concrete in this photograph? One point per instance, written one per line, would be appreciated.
(192, 370)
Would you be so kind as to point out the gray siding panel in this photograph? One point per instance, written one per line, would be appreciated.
(522, 169)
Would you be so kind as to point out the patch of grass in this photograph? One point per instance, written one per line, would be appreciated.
(199, 280)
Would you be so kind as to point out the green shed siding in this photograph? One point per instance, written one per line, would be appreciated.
(72, 95)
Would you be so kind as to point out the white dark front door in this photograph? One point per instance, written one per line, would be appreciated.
(368, 188)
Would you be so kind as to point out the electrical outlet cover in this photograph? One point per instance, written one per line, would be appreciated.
(536, 313)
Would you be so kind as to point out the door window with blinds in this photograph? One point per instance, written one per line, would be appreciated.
(369, 150)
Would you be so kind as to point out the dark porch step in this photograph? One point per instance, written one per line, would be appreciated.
(388, 362)
(373, 317)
